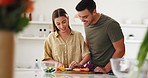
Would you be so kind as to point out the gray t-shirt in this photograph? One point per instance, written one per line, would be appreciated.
(100, 37)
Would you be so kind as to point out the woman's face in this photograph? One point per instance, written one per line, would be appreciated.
(62, 24)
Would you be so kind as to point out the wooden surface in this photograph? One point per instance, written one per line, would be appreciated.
(74, 72)
(6, 54)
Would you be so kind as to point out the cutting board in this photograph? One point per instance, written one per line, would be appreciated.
(74, 72)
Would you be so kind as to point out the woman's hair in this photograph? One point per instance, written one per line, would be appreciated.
(86, 4)
(58, 13)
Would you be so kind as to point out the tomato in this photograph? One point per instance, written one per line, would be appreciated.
(6, 2)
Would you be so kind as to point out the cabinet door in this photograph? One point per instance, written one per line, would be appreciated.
(131, 50)
(136, 32)
(133, 39)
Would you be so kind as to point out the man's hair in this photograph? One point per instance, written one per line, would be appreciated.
(86, 4)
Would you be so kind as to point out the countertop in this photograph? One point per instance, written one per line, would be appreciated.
(41, 74)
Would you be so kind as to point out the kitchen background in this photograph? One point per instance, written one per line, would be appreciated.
(131, 14)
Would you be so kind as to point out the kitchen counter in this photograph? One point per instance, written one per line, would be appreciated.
(41, 74)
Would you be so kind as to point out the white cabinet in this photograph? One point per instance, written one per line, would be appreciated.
(36, 30)
(134, 32)
(134, 35)
(32, 32)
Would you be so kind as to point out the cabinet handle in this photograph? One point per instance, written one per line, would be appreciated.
(131, 36)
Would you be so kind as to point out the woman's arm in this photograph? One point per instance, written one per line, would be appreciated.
(85, 59)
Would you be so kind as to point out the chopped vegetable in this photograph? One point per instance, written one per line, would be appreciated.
(90, 66)
(84, 69)
(49, 70)
(62, 68)
(82, 66)
(77, 69)
(81, 69)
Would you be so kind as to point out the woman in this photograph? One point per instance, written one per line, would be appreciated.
(64, 44)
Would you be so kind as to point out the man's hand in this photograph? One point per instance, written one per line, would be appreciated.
(100, 69)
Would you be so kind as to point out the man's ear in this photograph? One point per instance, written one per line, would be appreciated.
(94, 12)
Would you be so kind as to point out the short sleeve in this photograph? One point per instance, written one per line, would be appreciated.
(114, 31)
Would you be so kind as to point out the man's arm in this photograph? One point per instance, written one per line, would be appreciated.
(119, 52)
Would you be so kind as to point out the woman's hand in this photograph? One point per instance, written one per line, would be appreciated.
(74, 64)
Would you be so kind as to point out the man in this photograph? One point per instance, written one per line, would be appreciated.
(103, 35)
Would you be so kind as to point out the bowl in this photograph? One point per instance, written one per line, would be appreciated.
(128, 68)
(49, 67)
(120, 67)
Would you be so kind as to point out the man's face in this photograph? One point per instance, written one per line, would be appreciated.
(86, 17)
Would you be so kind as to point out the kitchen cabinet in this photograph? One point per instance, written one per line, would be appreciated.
(132, 32)
(134, 35)
(32, 32)
(36, 30)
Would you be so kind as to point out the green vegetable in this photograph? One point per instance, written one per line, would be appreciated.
(49, 70)
(143, 51)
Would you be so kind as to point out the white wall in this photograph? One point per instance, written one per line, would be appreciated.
(136, 10)
(28, 50)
